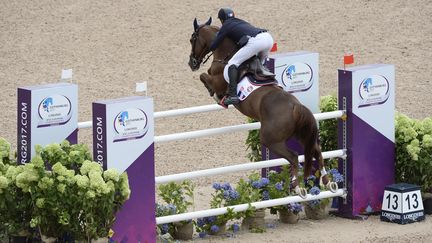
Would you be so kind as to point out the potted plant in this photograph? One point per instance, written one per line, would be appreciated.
(224, 196)
(179, 197)
(15, 198)
(251, 191)
(279, 187)
(316, 209)
(413, 150)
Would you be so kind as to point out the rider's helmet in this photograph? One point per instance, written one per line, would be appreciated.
(225, 13)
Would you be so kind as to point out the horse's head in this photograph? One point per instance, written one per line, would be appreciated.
(200, 45)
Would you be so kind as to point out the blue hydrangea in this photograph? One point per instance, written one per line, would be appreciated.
(311, 178)
(202, 234)
(279, 186)
(265, 195)
(211, 219)
(226, 186)
(235, 228)
(315, 190)
(295, 207)
(264, 181)
(333, 171)
(200, 222)
(234, 194)
(214, 228)
(217, 186)
(226, 195)
(164, 229)
(337, 177)
(256, 184)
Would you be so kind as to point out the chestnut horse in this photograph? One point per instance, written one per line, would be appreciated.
(281, 115)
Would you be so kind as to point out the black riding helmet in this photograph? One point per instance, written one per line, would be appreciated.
(225, 13)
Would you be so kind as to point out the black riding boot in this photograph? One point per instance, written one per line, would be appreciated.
(232, 98)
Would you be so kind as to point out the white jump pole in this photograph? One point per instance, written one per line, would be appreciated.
(244, 207)
(236, 128)
(240, 167)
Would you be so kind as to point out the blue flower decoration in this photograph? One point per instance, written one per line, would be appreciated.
(202, 234)
(217, 186)
(279, 186)
(337, 177)
(235, 228)
(234, 195)
(214, 228)
(265, 195)
(226, 186)
(315, 190)
(264, 181)
(164, 229)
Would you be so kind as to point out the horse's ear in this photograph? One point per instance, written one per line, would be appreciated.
(195, 23)
(209, 21)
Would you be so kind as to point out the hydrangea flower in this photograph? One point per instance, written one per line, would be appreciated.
(265, 195)
(234, 194)
(217, 186)
(315, 190)
(264, 181)
(200, 222)
(226, 186)
(164, 229)
(279, 186)
(214, 228)
(337, 177)
(235, 228)
(202, 234)
(295, 207)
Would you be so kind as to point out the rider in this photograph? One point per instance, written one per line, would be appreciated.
(251, 41)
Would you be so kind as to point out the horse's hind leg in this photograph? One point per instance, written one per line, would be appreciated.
(324, 181)
(281, 150)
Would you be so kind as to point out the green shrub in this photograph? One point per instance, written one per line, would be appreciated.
(414, 151)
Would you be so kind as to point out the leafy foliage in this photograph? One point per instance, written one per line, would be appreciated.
(74, 197)
(414, 151)
(178, 198)
(253, 143)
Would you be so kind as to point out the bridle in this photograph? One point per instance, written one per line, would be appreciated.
(196, 61)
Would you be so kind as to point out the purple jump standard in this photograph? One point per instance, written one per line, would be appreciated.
(367, 94)
(123, 138)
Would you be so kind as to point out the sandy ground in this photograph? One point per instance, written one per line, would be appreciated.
(110, 45)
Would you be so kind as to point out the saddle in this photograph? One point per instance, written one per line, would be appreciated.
(256, 72)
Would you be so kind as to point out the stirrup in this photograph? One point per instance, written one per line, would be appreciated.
(231, 100)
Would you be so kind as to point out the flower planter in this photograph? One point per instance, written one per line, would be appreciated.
(315, 213)
(288, 217)
(183, 230)
(256, 221)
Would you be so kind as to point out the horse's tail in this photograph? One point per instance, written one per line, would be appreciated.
(310, 141)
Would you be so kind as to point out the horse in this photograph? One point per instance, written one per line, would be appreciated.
(281, 115)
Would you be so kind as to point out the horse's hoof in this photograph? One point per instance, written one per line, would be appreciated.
(301, 192)
(332, 186)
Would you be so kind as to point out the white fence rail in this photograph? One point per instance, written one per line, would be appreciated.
(229, 129)
(244, 207)
(240, 167)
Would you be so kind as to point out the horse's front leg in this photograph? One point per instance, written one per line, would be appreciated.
(206, 80)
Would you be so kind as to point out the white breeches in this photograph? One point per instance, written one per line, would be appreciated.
(259, 45)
